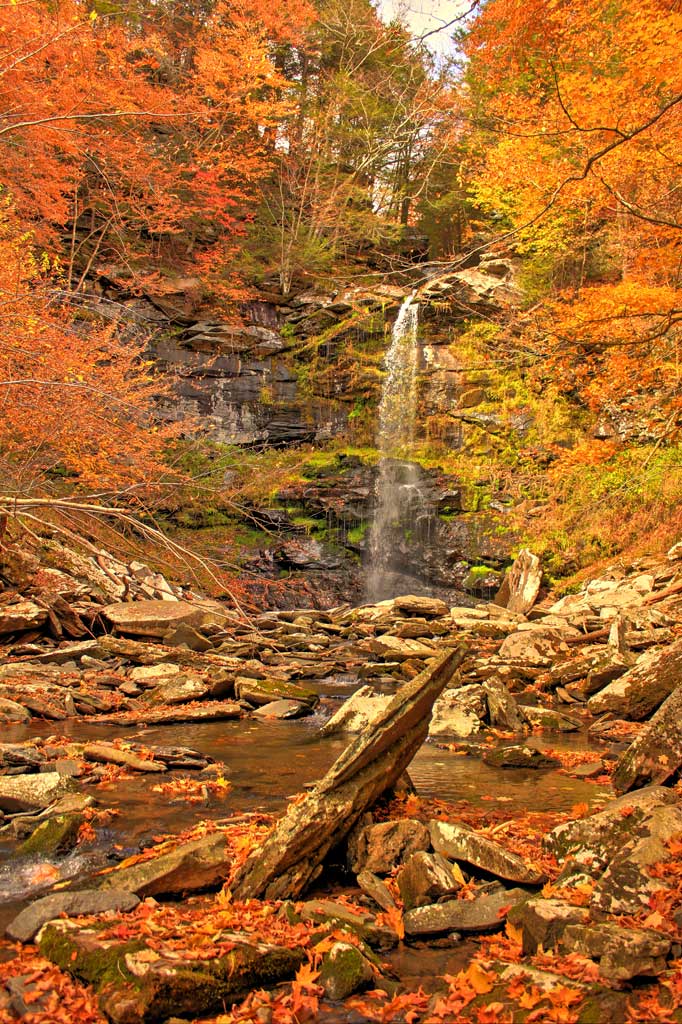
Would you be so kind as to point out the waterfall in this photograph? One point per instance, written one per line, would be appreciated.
(398, 496)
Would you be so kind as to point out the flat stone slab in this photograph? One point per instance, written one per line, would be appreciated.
(156, 618)
(486, 913)
(191, 867)
(210, 711)
(33, 792)
(457, 842)
(28, 923)
(644, 687)
(20, 616)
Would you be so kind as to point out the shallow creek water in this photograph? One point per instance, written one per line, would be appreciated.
(267, 762)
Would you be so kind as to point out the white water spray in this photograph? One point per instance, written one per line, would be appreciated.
(398, 496)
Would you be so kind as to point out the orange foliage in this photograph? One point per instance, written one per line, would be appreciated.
(579, 114)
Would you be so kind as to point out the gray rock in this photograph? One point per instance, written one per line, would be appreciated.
(20, 616)
(283, 710)
(503, 711)
(622, 953)
(26, 925)
(413, 604)
(265, 691)
(521, 585)
(425, 878)
(182, 688)
(363, 708)
(10, 711)
(644, 687)
(380, 848)
(603, 834)
(655, 755)
(459, 712)
(543, 922)
(344, 970)
(547, 718)
(484, 914)
(199, 864)
(33, 792)
(377, 890)
(156, 618)
(626, 885)
(462, 844)
(520, 756)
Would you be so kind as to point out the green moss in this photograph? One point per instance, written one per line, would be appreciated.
(56, 835)
(98, 965)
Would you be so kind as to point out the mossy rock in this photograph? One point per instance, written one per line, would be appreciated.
(138, 985)
(344, 971)
(57, 835)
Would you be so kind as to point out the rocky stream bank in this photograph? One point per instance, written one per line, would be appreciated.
(363, 900)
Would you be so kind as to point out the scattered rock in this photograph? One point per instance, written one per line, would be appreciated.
(426, 878)
(380, 848)
(459, 712)
(26, 925)
(520, 756)
(344, 970)
(462, 844)
(644, 688)
(543, 922)
(157, 618)
(485, 913)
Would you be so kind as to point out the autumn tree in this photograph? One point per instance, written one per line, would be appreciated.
(577, 110)
(128, 151)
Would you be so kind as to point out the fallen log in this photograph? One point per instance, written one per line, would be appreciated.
(292, 855)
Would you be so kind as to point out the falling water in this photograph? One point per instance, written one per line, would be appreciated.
(398, 496)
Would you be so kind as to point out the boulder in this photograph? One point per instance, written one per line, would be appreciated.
(462, 844)
(377, 890)
(604, 833)
(190, 867)
(622, 953)
(534, 648)
(644, 687)
(398, 649)
(26, 925)
(181, 688)
(549, 719)
(292, 855)
(503, 711)
(21, 616)
(626, 885)
(361, 710)
(380, 848)
(264, 691)
(428, 607)
(344, 970)
(459, 712)
(10, 711)
(655, 755)
(137, 984)
(155, 618)
(520, 756)
(33, 792)
(333, 916)
(57, 835)
(427, 878)
(543, 922)
(521, 585)
(485, 913)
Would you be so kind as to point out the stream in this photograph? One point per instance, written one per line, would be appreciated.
(267, 762)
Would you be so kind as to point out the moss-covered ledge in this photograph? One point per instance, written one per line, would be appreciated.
(138, 984)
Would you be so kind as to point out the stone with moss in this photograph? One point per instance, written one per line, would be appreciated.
(344, 971)
(265, 691)
(140, 985)
(57, 835)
